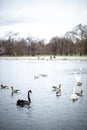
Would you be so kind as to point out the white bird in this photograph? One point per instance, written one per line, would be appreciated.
(74, 96)
(78, 79)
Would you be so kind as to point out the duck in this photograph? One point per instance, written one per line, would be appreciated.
(14, 91)
(3, 87)
(22, 103)
(74, 96)
(80, 93)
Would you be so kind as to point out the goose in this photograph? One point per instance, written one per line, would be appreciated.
(43, 75)
(74, 96)
(22, 103)
(14, 91)
(3, 87)
(79, 83)
(80, 94)
(36, 77)
(58, 93)
(54, 88)
(57, 88)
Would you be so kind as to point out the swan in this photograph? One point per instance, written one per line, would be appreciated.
(81, 93)
(77, 77)
(3, 87)
(74, 96)
(14, 91)
(22, 103)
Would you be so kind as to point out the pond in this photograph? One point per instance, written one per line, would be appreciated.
(46, 111)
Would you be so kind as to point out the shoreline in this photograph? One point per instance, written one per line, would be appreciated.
(82, 58)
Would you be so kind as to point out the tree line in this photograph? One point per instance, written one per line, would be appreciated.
(73, 43)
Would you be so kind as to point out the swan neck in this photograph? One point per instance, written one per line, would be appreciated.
(74, 90)
(29, 97)
(12, 88)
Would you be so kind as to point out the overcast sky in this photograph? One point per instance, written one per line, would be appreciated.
(41, 18)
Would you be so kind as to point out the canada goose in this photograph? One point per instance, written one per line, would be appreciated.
(43, 75)
(3, 87)
(58, 93)
(14, 91)
(80, 94)
(54, 88)
(79, 83)
(22, 103)
(36, 77)
(57, 88)
(74, 96)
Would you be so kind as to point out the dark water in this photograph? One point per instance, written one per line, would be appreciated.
(46, 111)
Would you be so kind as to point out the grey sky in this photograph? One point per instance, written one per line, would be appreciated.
(42, 18)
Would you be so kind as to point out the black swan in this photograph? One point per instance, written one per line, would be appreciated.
(14, 91)
(22, 103)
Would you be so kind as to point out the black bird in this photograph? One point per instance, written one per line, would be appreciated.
(22, 103)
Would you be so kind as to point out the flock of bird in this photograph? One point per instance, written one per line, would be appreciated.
(40, 75)
(57, 90)
(73, 97)
(20, 102)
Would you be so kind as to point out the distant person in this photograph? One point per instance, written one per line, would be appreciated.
(50, 57)
(54, 57)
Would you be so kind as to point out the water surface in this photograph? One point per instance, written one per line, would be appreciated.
(46, 111)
